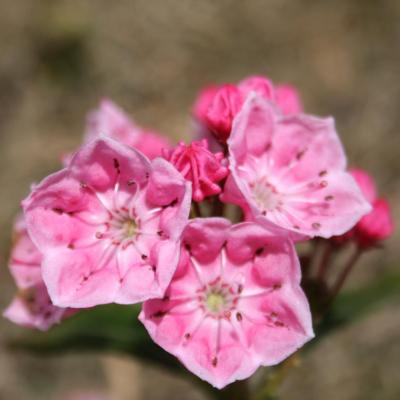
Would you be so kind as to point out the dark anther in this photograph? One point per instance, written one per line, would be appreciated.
(144, 257)
(239, 316)
(259, 251)
(276, 286)
(58, 210)
(300, 154)
(159, 314)
(316, 225)
(214, 361)
(323, 173)
(187, 336)
(329, 198)
(116, 165)
(71, 246)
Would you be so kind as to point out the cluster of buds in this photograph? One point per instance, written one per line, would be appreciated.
(114, 226)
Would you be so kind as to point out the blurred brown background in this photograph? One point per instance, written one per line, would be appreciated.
(57, 58)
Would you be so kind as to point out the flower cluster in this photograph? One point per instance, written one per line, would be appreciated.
(114, 226)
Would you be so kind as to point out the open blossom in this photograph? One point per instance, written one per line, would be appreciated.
(378, 224)
(105, 225)
(110, 120)
(234, 304)
(31, 307)
(217, 106)
(199, 166)
(290, 171)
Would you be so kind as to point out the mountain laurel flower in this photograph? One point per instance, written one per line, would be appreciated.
(110, 120)
(31, 306)
(106, 223)
(234, 304)
(290, 171)
(199, 166)
(217, 106)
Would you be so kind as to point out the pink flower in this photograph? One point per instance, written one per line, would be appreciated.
(377, 225)
(199, 166)
(31, 307)
(234, 304)
(217, 106)
(290, 171)
(106, 224)
(110, 120)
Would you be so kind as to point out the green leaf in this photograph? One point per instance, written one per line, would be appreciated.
(352, 305)
(109, 328)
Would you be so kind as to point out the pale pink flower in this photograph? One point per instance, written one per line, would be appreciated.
(31, 306)
(234, 304)
(199, 166)
(290, 171)
(110, 120)
(105, 225)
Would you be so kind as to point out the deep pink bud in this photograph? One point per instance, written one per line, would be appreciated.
(203, 101)
(365, 182)
(376, 226)
(223, 108)
(199, 166)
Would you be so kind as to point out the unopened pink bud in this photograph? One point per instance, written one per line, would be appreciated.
(199, 166)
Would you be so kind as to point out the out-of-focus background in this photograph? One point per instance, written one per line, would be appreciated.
(57, 58)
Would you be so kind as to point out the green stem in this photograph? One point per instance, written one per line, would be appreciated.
(345, 273)
(275, 378)
(196, 209)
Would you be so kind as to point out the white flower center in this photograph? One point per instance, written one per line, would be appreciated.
(265, 195)
(217, 300)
